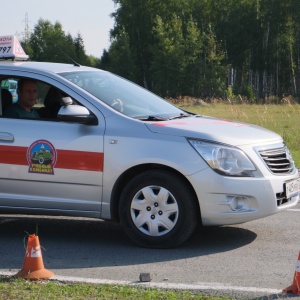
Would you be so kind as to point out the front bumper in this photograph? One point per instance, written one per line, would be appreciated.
(233, 200)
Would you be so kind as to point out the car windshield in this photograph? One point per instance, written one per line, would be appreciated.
(123, 95)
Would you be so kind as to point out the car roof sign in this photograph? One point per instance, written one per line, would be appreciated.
(10, 48)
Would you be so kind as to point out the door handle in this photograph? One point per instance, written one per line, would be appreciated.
(6, 137)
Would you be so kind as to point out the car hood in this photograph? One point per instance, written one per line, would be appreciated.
(217, 130)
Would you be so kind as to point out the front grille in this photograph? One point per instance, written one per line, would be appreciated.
(278, 160)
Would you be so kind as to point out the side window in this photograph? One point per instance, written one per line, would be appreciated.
(29, 99)
(50, 103)
(8, 93)
(19, 96)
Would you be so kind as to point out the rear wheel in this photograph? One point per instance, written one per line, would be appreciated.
(158, 210)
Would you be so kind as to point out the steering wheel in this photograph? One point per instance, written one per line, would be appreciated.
(117, 104)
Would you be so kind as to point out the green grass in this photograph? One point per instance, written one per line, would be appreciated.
(283, 119)
(13, 288)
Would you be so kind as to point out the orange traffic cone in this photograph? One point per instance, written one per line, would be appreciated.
(33, 267)
(295, 287)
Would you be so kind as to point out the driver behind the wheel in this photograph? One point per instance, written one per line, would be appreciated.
(27, 98)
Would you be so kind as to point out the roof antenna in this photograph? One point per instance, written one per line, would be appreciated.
(76, 64)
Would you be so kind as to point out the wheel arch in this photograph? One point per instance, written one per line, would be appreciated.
(132, 172)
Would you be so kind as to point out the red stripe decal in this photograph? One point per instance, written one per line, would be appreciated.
(13, 155)
(79, 160)
(182, 123)
(66, 159)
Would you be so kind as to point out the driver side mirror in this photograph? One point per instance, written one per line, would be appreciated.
(75, 113)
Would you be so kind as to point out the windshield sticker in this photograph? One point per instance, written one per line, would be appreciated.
(41, 157)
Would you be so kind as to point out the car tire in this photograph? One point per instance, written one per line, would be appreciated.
(158, 209)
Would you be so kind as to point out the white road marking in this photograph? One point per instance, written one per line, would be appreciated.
(197, 286)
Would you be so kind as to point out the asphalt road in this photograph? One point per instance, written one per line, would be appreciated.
(255, 259)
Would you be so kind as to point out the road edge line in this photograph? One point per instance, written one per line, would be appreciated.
(163, 285)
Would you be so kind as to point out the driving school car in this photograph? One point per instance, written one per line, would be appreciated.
(106, 148)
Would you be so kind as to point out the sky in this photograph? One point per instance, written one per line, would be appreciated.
(90, 18)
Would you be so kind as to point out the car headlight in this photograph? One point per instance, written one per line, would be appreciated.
(224, 160)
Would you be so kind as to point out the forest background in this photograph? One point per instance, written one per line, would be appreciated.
(241, 50)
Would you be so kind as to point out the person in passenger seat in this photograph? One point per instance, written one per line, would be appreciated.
(27, 98)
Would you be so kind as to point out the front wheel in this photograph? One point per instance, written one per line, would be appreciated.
(158, 210)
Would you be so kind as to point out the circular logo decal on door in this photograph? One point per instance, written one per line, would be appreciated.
(41, 157)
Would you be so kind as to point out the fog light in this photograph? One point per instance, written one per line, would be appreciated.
(238, 203)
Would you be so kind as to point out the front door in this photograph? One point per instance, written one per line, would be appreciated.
(50, 165)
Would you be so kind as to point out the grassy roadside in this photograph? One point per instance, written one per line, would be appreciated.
(15, 289)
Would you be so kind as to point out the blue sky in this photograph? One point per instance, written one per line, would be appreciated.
(90, 18)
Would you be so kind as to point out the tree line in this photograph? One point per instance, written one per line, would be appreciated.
(201, 48)
(48, 42)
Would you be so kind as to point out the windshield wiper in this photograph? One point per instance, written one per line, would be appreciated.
(153, 118)
(180, 116)
(158, 118)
